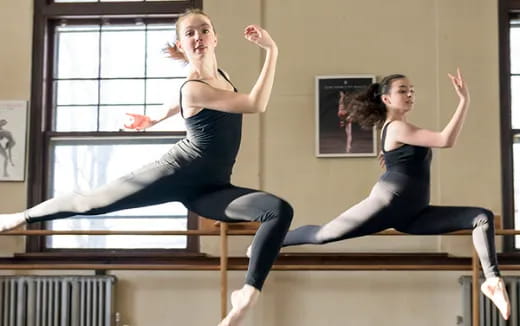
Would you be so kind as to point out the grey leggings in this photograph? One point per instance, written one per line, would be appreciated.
(388, 207)
(161, 182)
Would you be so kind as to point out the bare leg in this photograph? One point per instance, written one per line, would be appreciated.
(3, 153)
(5, 168)
(10, 155)
(348, 132)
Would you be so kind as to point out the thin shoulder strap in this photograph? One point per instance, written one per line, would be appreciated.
(227, 79)
(201, 81)
(180, 92)
(383, 135)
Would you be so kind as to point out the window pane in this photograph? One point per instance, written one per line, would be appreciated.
(84, 166)
(122, 51)
(165, 93)
(159, 91)
(114, 117)
(122, 91)
(175, 123)
(158, 63)
(78, 92)
(114, 96)
(76, 118)
(516, 184)
(78, 50)
(515, 102)
(102, 73)
(515, 50)
(119, 241)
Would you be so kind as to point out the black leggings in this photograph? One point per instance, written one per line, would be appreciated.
(385, 208)
(161, 182)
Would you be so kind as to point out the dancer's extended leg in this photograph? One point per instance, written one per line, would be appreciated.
(371, 215)
(443, 219)
(234, 204)
(152, 184)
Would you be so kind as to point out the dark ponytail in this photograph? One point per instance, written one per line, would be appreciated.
(366, 108)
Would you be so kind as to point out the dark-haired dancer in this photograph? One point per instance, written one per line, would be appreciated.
(197, 170)
(401, 197)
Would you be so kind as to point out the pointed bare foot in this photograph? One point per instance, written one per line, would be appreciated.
(11, 221)
(248, 251)
(495, 289)
(241, 300)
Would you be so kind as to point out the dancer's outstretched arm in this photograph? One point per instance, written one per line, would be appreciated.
(141, 122)
(406, 133)
(201, 95)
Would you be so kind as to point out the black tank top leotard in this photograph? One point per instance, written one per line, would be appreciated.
(211, 144)
(408, 169)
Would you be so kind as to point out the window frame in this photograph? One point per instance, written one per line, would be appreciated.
(46, 15)
(505, 9)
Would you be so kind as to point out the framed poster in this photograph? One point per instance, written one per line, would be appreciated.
(13, 130)
(336, 136)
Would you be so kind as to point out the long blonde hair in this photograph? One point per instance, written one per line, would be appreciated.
(171, 49)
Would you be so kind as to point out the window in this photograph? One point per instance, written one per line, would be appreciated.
(509, 29)
(92, 66)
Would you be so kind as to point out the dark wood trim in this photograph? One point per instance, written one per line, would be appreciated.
(36, 166)
(506, 136)
(510, 4)
(94, 20)
(46, 15)
(117, 9)
(108, 134)
(285, 262)
(193, 244)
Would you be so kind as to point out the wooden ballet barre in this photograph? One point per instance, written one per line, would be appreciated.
(100, 267)
(240, 264)
(231, 232)
(286, 262)
(119, 232)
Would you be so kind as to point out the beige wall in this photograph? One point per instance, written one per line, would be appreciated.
(424, 39)
(15, 80)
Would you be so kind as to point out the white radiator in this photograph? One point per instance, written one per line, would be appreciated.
(489, 315)
(56, 300)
